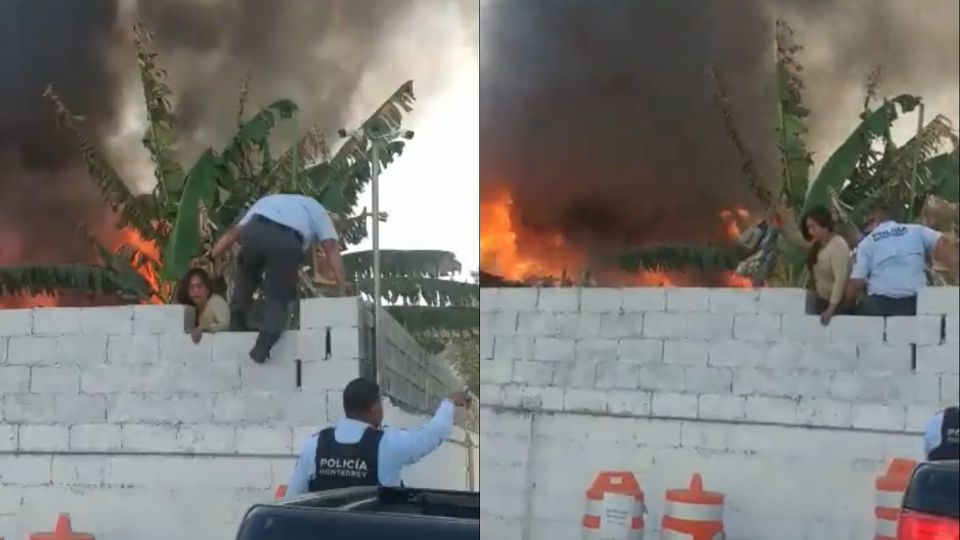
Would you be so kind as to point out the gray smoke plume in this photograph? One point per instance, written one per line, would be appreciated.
(338, 59)
(599, 116)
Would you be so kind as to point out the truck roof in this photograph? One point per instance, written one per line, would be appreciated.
(371, 512)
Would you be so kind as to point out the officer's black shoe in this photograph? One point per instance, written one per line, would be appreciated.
(259, 353)
(261, 349)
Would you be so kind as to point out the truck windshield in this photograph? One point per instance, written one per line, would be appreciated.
(935, 490)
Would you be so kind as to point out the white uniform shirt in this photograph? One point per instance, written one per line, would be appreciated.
(892, 258)
(299, 212)
(398, 448)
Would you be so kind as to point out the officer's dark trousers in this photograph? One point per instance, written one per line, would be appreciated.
(270, 257)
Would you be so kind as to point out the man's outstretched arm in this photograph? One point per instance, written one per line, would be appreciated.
(415, 444)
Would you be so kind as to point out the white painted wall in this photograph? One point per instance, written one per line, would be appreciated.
(114, 415)
(791, 420)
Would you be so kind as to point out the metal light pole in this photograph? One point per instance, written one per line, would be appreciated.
(375, 186)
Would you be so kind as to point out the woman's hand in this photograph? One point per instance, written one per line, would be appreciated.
(196, 334)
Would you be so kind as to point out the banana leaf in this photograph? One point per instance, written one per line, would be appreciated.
(426, 319)
(406, 263)
(417, 290)
(944, 176)
(794, 157)
(185, 241)
(844, 159)
(91, 279)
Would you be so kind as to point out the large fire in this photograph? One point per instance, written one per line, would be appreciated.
(504, 253)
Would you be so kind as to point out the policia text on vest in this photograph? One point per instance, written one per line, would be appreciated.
(358, 452)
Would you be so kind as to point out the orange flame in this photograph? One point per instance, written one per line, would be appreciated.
(146, 252)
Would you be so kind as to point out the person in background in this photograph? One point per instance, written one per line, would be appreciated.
(890, 264)
(358, 452)
(828, 261)
(941, 438)
(212, 312)
(273, 235)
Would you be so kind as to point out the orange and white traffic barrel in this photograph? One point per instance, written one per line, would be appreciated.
(62, 531)
(614, 507)
(890, 487)
(692, 513)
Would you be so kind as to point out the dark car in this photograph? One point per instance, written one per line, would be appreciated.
(931, 503)
(367, 513)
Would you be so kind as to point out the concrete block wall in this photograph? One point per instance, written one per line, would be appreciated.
(792, 420)
(116, 416)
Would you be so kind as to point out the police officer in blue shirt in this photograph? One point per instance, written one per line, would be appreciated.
(357, 452)
(941, 438)
(273, 235)
(890, 264)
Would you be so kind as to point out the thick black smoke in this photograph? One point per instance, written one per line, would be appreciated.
(599, 116)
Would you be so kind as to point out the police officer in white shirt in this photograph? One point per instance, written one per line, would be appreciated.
(357, 452)
(941, 438)
(273, 235)
(890, 263)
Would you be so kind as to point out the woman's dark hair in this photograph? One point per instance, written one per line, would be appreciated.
(183, 287)
(822, 217)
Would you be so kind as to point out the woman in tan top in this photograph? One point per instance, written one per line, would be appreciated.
(828, 261)
(213, 314)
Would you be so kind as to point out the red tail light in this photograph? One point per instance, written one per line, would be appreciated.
(920, 527)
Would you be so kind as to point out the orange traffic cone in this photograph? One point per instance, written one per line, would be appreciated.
(890, 487)
(614, 507)
(693, 513)
(61, 531)
(280, 493)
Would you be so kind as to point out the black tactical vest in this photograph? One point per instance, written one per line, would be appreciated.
(340, 465)
(949, 447)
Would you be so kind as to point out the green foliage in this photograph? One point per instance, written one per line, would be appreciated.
(678, 257)
(185, 239)
(794, 157)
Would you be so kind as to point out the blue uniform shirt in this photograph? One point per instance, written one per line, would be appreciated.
(299, 212)
(398, 448)
(892, 258)
(934, 431)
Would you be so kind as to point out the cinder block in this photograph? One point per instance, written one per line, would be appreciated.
(95, 437)
(879, 387)
(733, 300)
(110, 320)
(777, 382)
(31, 350)
(554, 349)
(264, 440)
(575, 374)
(28, 408)
(949, 388)
(559, 299)
(884, 357)
(712, 407)
(517, 299)
(530, 373)
(161, 408)
(537, 323)
(14, 379)
(499, 323)
(42, 438)
(582, 400)
(234, 347)
(879, 416)
(16, 322)
(486, 346)
(162, 319)
(173, 348)
(805, 329)
(823, 412)
(938, 301)
(56, 321)
(631, 403)
(674, 405)
(951, 327)
(920, 330)
(640, 351)
(662, 378)
(617, 375)
(496, 371)
(852, 329)
(596, 350)
(507, 348)
(709, 326)
(829, 356)
(917, 418)
(621, 325)
(704, 436)
(761, 328)
(643, 299)
(685, 299)
(9, 441)
(321, 313)
(732, 353)
(329, 375)
(139, 349)
(601, 300)
(782, 301)
(25, 470)
(577, 325)
(270, 377)
(539, 398)
(488, 299)
(55, 380)
(146, 438)
(82, 349)
(665, 325)
(687, 353)
(344, 343)
(708, 380)
(938, 358)
(769, 409)
(77, 471)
